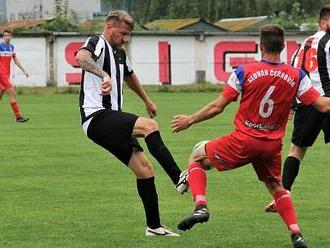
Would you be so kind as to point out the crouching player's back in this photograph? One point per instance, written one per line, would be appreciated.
(267, 89)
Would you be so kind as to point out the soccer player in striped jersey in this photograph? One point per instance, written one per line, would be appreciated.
(105, 67)
(314, 58)
(7, 53)
(267, 88)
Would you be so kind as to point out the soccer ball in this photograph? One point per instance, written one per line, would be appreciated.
(199, 144)
(197, 150)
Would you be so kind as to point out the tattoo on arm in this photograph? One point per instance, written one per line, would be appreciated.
(86, 62)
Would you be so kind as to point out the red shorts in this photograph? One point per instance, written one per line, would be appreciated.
(237, 149)
(5, 83)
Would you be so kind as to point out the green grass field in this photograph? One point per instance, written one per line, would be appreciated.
(58, 189)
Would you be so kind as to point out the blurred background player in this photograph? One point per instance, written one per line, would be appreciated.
(267, 89)
(7, 53)
(314, 58)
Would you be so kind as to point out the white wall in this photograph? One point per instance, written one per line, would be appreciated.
(61, 65)
(144, 58)
(31, 52)
(189, 53)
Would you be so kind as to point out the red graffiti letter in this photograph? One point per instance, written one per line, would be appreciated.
(291, 48)
(70, 56)
(222, 48)
(164, 57)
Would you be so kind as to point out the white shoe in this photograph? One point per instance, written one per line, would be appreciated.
(160, 231)
(182, 186)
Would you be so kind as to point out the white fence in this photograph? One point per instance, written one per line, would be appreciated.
(176, 58)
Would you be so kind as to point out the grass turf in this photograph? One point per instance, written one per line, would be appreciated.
(58, 189)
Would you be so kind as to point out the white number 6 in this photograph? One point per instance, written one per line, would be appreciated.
(266, 111)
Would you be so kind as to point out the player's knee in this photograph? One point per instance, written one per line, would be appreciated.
(198, 152)
(274, 187)
(12, 97)
(151, 126)
(146, 169)
(195, 156)
(297, 152)
(12, 94)
(145, 126)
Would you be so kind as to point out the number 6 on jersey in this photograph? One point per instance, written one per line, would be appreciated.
(267, 104)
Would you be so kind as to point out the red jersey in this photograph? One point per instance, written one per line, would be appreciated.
(6, 54)
(267, 92)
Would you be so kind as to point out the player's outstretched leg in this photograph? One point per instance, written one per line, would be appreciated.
(14, 106)
(2, 92)
(197, 182)
(286, 210)
(147, 191)
(290, 172)
(149, 129)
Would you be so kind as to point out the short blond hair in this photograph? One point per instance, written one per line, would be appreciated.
(121, 16)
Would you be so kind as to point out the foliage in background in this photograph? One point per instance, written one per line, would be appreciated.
(91, 26)
(298, 19)
(300, 14)
(64, 20)
(96, 25)
(297, 15)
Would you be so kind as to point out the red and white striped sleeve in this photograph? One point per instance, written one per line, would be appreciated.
(306, 93)
(234, 84)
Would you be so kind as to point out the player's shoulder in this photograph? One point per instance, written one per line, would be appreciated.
(294, 70)
(95, 39)
(320, 34)
(244, 69)
(317, 37)
(297, 73)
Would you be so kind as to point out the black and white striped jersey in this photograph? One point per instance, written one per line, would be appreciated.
(314, 58)
(114, 62)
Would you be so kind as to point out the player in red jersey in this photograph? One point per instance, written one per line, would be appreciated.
(6, 54)
(313, 57)
(267, 88)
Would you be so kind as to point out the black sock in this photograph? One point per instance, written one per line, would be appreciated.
(147, 191)
(160, 152)
(290, 172)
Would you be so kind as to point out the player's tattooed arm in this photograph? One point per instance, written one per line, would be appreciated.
(85, 61)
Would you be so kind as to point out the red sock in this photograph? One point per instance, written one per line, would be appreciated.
(285, 208)
(15, 108)
(197, 183)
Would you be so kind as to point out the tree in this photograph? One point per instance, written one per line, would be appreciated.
(213, 10)
(61, 22)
